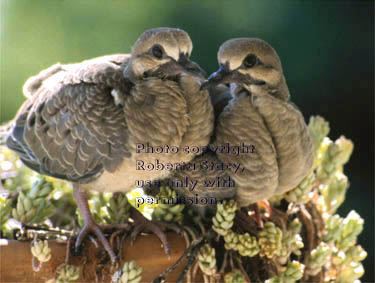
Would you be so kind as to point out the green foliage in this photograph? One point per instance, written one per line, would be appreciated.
(234, 276)
(165, 211)
(35, 206)
(32, 199)
(291, 241)
(318, 257)
(322, 192)
(352, 226)
(118, 209)
(300, 194)
(5, 210)
(334, 193)
(270, 240)
(292, 273)
(223, 220)
(336, 155)
(231, 240)
(41, 250)
(319, 129)
(207, 260)
(130, 273)
(68, 273)
(247, 245)
(38, 200)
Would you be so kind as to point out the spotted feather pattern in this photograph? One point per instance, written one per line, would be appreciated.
(70, 127)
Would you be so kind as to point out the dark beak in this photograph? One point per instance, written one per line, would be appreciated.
(221, 76)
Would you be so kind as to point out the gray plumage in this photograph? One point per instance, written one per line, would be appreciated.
(82, 122)
(71, 127)
(260, 114)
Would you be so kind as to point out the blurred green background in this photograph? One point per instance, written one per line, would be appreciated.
(326, 47)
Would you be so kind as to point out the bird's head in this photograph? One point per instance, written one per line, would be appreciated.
(251, 65)
(163, 53)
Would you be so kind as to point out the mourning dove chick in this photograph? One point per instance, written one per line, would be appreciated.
(205, 181)
(86, 122)
(260, 114)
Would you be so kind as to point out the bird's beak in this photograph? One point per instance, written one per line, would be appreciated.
(222, 75)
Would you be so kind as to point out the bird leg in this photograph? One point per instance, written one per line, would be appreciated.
(80, 197)
(258, 216)
(141, 224)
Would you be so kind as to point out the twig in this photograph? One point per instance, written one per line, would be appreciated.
(317, 218)
(121, 247)
(231, 259)
(279, 217)
(203, 230)
(258, 218)
(242, 269)
(52, 230)
(186, 237)
(192, 234)
(190, 258)
(68, 247)
(195, 269)
(222, 268)
(195, 243)
(310, 231)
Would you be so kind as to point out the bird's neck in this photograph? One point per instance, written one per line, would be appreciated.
(199, 111)
(282, 91)
(155, 112)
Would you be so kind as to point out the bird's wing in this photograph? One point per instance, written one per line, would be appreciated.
(220, 97)
(71, 127)
(257, 177)
(291, 137)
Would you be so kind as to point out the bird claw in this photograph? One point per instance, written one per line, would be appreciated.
(141, 224)
(92, 227)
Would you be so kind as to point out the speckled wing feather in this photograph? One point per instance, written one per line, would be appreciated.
(241, 123)
(291, 137)
(71, 127)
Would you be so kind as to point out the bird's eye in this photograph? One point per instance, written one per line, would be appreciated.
(250, 61)
(157, 51)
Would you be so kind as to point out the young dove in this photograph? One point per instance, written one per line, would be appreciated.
(83, 122)
(261, 114)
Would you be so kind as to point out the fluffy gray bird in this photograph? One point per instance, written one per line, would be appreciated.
(83, 122)
(260, 114)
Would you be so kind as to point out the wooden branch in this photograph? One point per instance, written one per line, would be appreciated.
(16, 257)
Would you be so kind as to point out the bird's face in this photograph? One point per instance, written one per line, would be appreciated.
(163, 53)
(249, 63)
